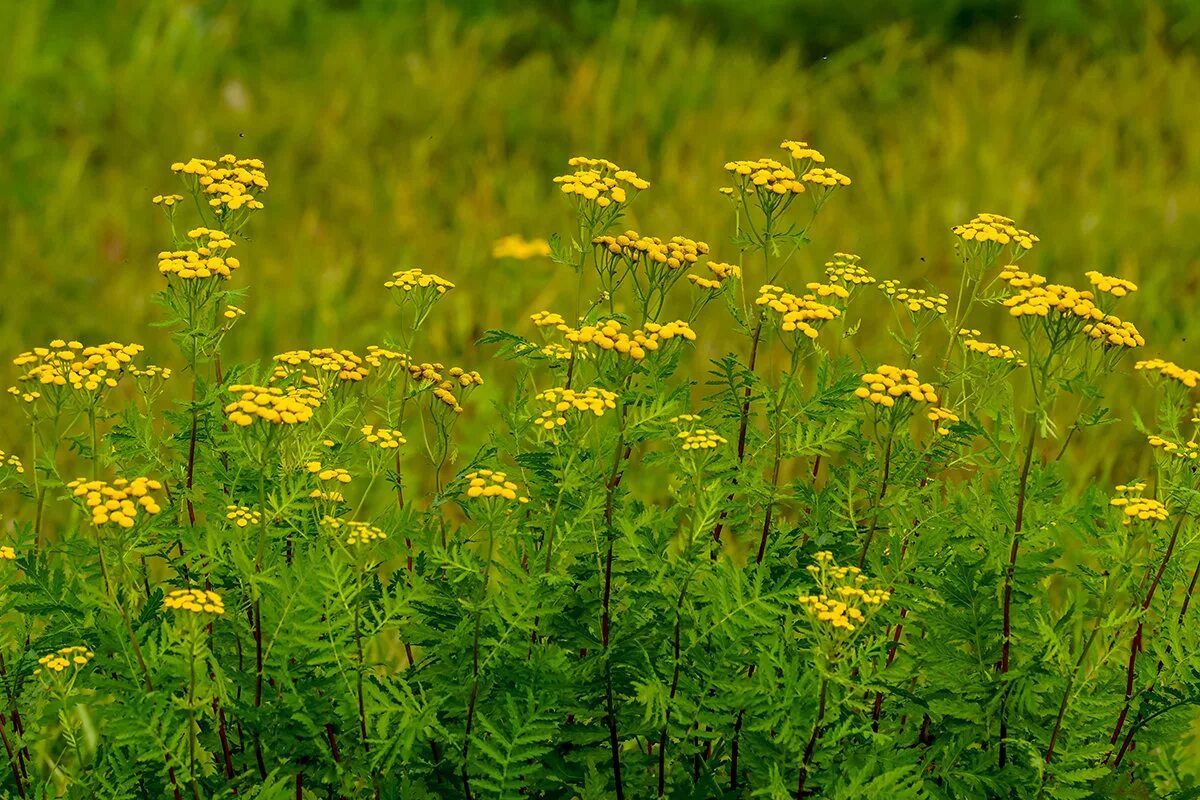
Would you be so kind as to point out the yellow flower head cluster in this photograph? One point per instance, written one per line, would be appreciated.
(1169, 369)
(327, 496)
(1041, 300)
(378, 356)
(24, 396)
(700, 439)
(721, 273)
(802, 152)
(599, 181)
(995, 228)
(989, 349)
(608, 335)
(117, 502)
(383, 438)
(328, 473)
(206, 259)
(242, 516)
(631, 246)
(487, 483)
(915, 300)
(519, 249)
(167, 200)
(1110, 284)
(11, 462)
(344, 364)
(67, 657)
(231, 183)
(7, 553)
(444, 382)
(1189, 449)
(547, 319)
(823, 290)
(410, 279)
(356, 532)
(823, 176)
(276, 406)
(840, 601)
(942, 419)
(1020, 279)
(151, 372)
(1114, 332)
(594, 401)
(845, 268)
(1136, 507)
(888, 384)
(798, 313)
(766, 175)
(87, 369)
(233, 312)
(197, 601)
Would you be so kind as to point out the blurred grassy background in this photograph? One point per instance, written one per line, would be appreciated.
(415, 134)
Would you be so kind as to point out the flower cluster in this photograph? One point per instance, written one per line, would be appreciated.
(87, 369)
(356, 532)
(632, 247)
(197, 601)
(520, 249)
(915, 300)
(599, 181)
(383, 438)
(800, 151)
(1190, 449)
(7, 553)
(1170, 370)
(1109, 284)
(840, 601)
(410, 279)
(242, 516)
(231, 183)
(11, 462)
(609, 335)
(845, 268)
(342, 364)
(117, 502)
(66, 657)
(721, 273)
(328, 473)
(488, 483)
(800, 313)
(993, 228)
(823, 176)
(167, 201)
(1020, 279)
(700, 439)
(594, 401)
(444, 382)
(1137, 507)
(989, 349)
(206, 259)
(1115, 332)
(1040, 300)
(942, 419)
(888, 384)
(766, 175)
(272, 404)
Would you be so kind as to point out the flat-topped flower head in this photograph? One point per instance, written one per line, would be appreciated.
(167, 201)
(11, 463)
(271, 404)
(675, 253)
(721, 272)
(1169, 370)
(942, 419)
(243, 516)
(486, 483)
(1020, 279)
(846, 268)
(63, 659)
(195, 601)
(231, 185)
(993, 232)
(564, 401)
(356, 532)
(700, 439)
(989, 349)
(918, 302)
(597, 183)
(801, 151)
(825, 177)
(89, 370)
(1054, 299)
(1184, 450)
(1110, 284)
(208, 257)
(609, 336)
(232, 313)
(1113, 332)
(323, 367)
(520, 249)
(7, 553)
(764, 177)
(382, 438)
(447, 386)
(117, 503)
(839, 604)
(1135, 507)
(324, 473)
(415, 280)
(796, 313)
(889, 385)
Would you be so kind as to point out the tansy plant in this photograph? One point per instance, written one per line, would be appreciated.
(809, 566)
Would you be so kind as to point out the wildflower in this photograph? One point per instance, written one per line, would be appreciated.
(271, 404)
(7, 553)
(442, 383)
(594, 401)
(917, 301)
(1019, 279)
(1039, 301)
(840, 601)
(699, 439)
(609, 335)
(1114, 332)
(676, 253)
(344, 365)
(118, 502)
(410, 280)
(151, 372)
(721, 273)
(242, 516)
(1109, 284)
(327, 496)
(888, 384)
(487, 483)
(845, 268)
(599, 182)
(12, 462)
(829, 178)
(233, 312)
(942, 419)
(196, 601)
(167, 201)
(23, 396)
(996, 229)
(64, 658)
(328, 473)
(378, 356)
(356, 532)
(800, 151)
(383, 438)
(989, 349)
(1170, 370)
(231, 183)
(520, 249)
(765, 177)
(1189, 450)
(92, 369)
(802, 313)
(208, 257)
(1136, 507)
